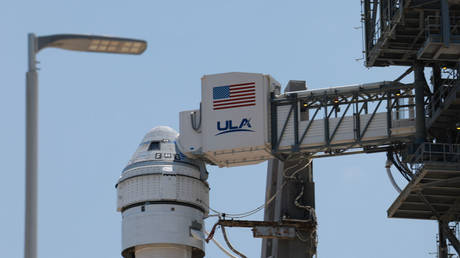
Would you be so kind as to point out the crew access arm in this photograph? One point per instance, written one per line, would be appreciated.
(244, 119)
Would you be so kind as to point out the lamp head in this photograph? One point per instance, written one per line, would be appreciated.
(93, 43)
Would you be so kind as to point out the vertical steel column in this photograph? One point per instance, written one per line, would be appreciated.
(326, 123)
(284, 204)
(274, 122)
(445, 23)
(451, 236)
(30, 244)
(419, 78)
(297, 248)
(389, 114)
(295, 148)
(442, 248)
(436, 78)
(284, 207)
(272, 187)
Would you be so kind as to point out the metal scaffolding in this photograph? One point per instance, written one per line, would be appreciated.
(424, 34)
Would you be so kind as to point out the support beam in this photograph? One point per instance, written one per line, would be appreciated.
(436, 77)
(294, 182)
(419, 78)
(269, 212)
(444, 230)
(450, 235)
(445, 23)
(408, 71)
(442, 246)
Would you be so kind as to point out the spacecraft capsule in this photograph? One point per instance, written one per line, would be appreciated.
(163, 197)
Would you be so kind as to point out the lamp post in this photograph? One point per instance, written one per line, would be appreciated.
(86, 43)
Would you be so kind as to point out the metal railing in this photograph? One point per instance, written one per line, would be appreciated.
(435, 152)
(440, 96)
(352, 109)
(433, 24)
(386, 10)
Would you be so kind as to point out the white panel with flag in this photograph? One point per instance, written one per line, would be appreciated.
(234, 119)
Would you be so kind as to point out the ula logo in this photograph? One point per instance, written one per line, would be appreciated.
(244, 126)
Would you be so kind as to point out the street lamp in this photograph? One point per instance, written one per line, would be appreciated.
(86, 43)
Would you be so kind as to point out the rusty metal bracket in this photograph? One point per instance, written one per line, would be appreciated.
(274, 232)
(284, 229)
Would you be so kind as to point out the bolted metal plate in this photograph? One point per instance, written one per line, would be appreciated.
(274, 232)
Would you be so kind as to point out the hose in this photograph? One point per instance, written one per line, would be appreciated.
(221, 247)
(229, 244)
(395, 162)
(390, 176)
(193, 120)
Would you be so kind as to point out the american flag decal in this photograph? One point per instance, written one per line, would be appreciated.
(235, 95)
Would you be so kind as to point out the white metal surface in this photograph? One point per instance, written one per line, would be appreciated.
(165, 224)
(218, 124)
(163, 197)
(162, 187)
(235, 133)
(190, 140)
(345, 134)
(161, 134)
(163, 251)
(337, 89)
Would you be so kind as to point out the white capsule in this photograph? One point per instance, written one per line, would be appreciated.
(163, 197)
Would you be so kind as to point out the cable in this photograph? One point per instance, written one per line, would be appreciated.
(229, 244)
(261, 207)
(221, 247)
(213, 231)
(404, 166)
(300, 237)
(296, 201)
(391, 157)
(305, 207)
(193, 120)
(392, 180)
(292, 176)
(248, 213)
(312, 214)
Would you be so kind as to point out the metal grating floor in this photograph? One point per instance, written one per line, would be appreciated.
(434, 192)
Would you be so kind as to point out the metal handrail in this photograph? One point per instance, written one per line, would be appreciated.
(433, 25)
(385, 20)
(439, 97)
(435, 152)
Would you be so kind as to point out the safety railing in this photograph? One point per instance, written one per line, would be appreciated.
(441, 94)
(385, 11)
(433, 25)
(435, 152)
(342, 118)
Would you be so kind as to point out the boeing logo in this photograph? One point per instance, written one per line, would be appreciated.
(230, 128)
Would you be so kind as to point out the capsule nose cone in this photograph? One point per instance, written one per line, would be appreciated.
(160, 133)
(158, 144)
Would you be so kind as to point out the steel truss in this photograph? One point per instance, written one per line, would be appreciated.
(340, 102)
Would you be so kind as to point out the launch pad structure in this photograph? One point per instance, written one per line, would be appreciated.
(417, 124)
(418, 34)
(424, 34)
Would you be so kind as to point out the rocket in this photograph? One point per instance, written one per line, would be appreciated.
(163, 197)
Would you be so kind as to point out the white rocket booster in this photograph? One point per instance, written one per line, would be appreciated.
(163, 197)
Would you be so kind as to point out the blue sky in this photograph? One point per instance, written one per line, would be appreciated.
(95, 109)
